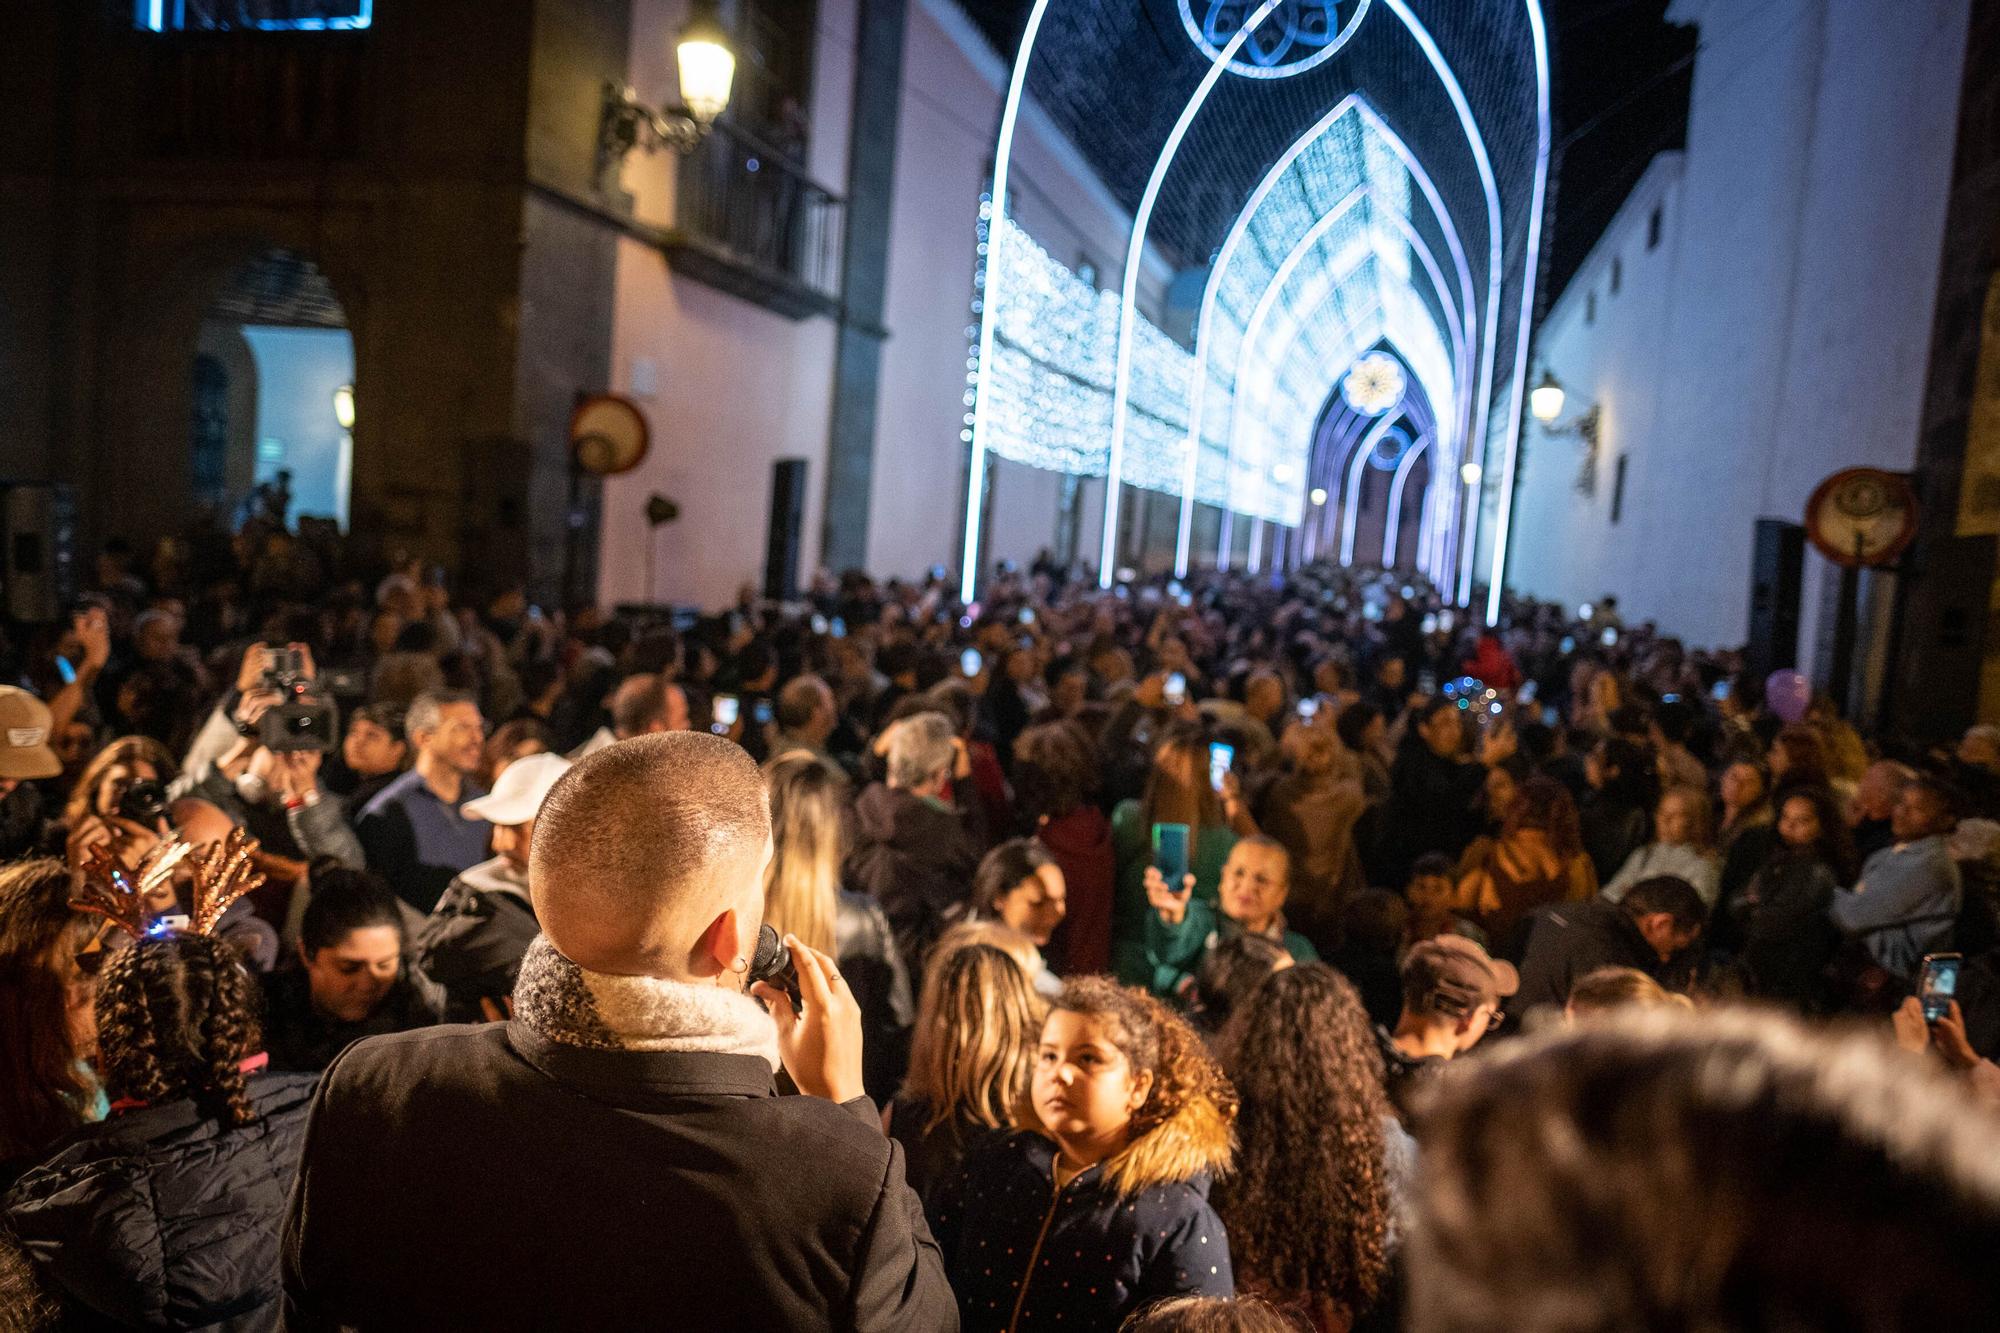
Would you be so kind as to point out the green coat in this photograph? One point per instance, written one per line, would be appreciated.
(1132, 842)
(1174, 952)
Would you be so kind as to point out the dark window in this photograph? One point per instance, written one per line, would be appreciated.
(772, 93)
(1653, 226)
(253, 15)
(1617, 274)
(1618, 490)
(1590, 308)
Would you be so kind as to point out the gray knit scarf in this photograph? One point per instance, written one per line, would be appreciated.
(573, 1007)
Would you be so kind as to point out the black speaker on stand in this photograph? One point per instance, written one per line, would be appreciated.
(788, 512)
(1777, 570)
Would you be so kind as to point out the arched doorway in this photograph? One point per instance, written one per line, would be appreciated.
(272, 392)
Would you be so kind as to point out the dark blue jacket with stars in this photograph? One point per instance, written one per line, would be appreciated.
(1124, 1234)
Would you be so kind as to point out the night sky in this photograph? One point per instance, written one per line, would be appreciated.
(1621, 88)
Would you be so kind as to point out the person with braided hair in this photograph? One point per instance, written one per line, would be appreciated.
(1101, 1206)
(167, 1214)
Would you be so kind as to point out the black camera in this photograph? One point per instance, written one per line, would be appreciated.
(144, 802)
(301, 719)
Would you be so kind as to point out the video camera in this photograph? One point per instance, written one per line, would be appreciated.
(303, 719)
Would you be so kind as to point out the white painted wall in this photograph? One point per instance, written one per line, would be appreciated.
(953, 87)
(734, 387)
(729, 387)
(1781, 330)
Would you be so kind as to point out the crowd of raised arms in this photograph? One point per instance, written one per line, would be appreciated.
(1290, 950)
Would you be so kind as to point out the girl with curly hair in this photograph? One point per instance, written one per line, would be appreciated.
(1100, 1206)
(1311, 1207)
(166, 1215)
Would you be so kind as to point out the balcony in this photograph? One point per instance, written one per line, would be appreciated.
(749, 221)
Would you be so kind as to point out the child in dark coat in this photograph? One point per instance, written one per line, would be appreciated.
(1101, 1207)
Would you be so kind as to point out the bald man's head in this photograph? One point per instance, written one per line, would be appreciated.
(649, 856)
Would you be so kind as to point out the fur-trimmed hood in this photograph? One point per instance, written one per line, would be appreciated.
(1196, 1141)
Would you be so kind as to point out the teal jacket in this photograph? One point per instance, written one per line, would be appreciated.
(1174, 952)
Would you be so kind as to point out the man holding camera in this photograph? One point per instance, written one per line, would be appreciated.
(415, 833)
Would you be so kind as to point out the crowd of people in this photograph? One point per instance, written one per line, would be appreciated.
(1282, 951)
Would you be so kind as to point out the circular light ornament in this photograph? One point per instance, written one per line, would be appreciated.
(1296, 36)
(1387, 455)
(1374, 384)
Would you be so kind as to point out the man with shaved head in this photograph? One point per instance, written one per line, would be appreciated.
(614, 1155)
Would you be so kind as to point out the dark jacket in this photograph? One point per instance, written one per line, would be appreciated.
(935, 1154)
(161, 1218)
(913, 856)
(1613, 829)
(1430, 809)
(1786, 938)
(872, 966)
(299, 1037)
(473, 941)
(1568, 941)
(1122, 1235)
(514, 1183)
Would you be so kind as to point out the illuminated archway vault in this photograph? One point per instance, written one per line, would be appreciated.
(1350, 175)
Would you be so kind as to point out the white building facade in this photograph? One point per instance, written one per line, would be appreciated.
(1758, 316)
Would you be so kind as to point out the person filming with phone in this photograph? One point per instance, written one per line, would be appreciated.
(1255, 881)
(614, 1155)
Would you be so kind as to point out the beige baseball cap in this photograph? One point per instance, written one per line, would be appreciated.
(24, 737)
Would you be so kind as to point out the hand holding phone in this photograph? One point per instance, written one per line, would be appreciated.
(1220, 757)
(1170, 903)
(1170, 851)
(726, 710)
(1937, 983)
(1176, 691)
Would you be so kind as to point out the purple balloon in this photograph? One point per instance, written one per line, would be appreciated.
(1789, 694)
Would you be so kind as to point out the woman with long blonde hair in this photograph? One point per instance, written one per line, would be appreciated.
(971, 1063)
(803, 897)
(808, 838)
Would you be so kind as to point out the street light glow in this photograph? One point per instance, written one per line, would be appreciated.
(1319, 495)
(1471, 473)
(1546, 399)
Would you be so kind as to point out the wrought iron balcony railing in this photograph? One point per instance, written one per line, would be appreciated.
(750, 221)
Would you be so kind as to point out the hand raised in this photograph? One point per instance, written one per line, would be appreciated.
(1171, 906)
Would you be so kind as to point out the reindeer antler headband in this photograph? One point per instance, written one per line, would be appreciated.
(223, 872)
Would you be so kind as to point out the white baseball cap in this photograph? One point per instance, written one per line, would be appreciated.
(518, 794)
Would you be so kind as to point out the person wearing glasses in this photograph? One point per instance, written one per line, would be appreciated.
(1452, 993)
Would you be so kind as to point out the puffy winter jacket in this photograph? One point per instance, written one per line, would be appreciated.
(160, 1218)
(1022, 1254)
